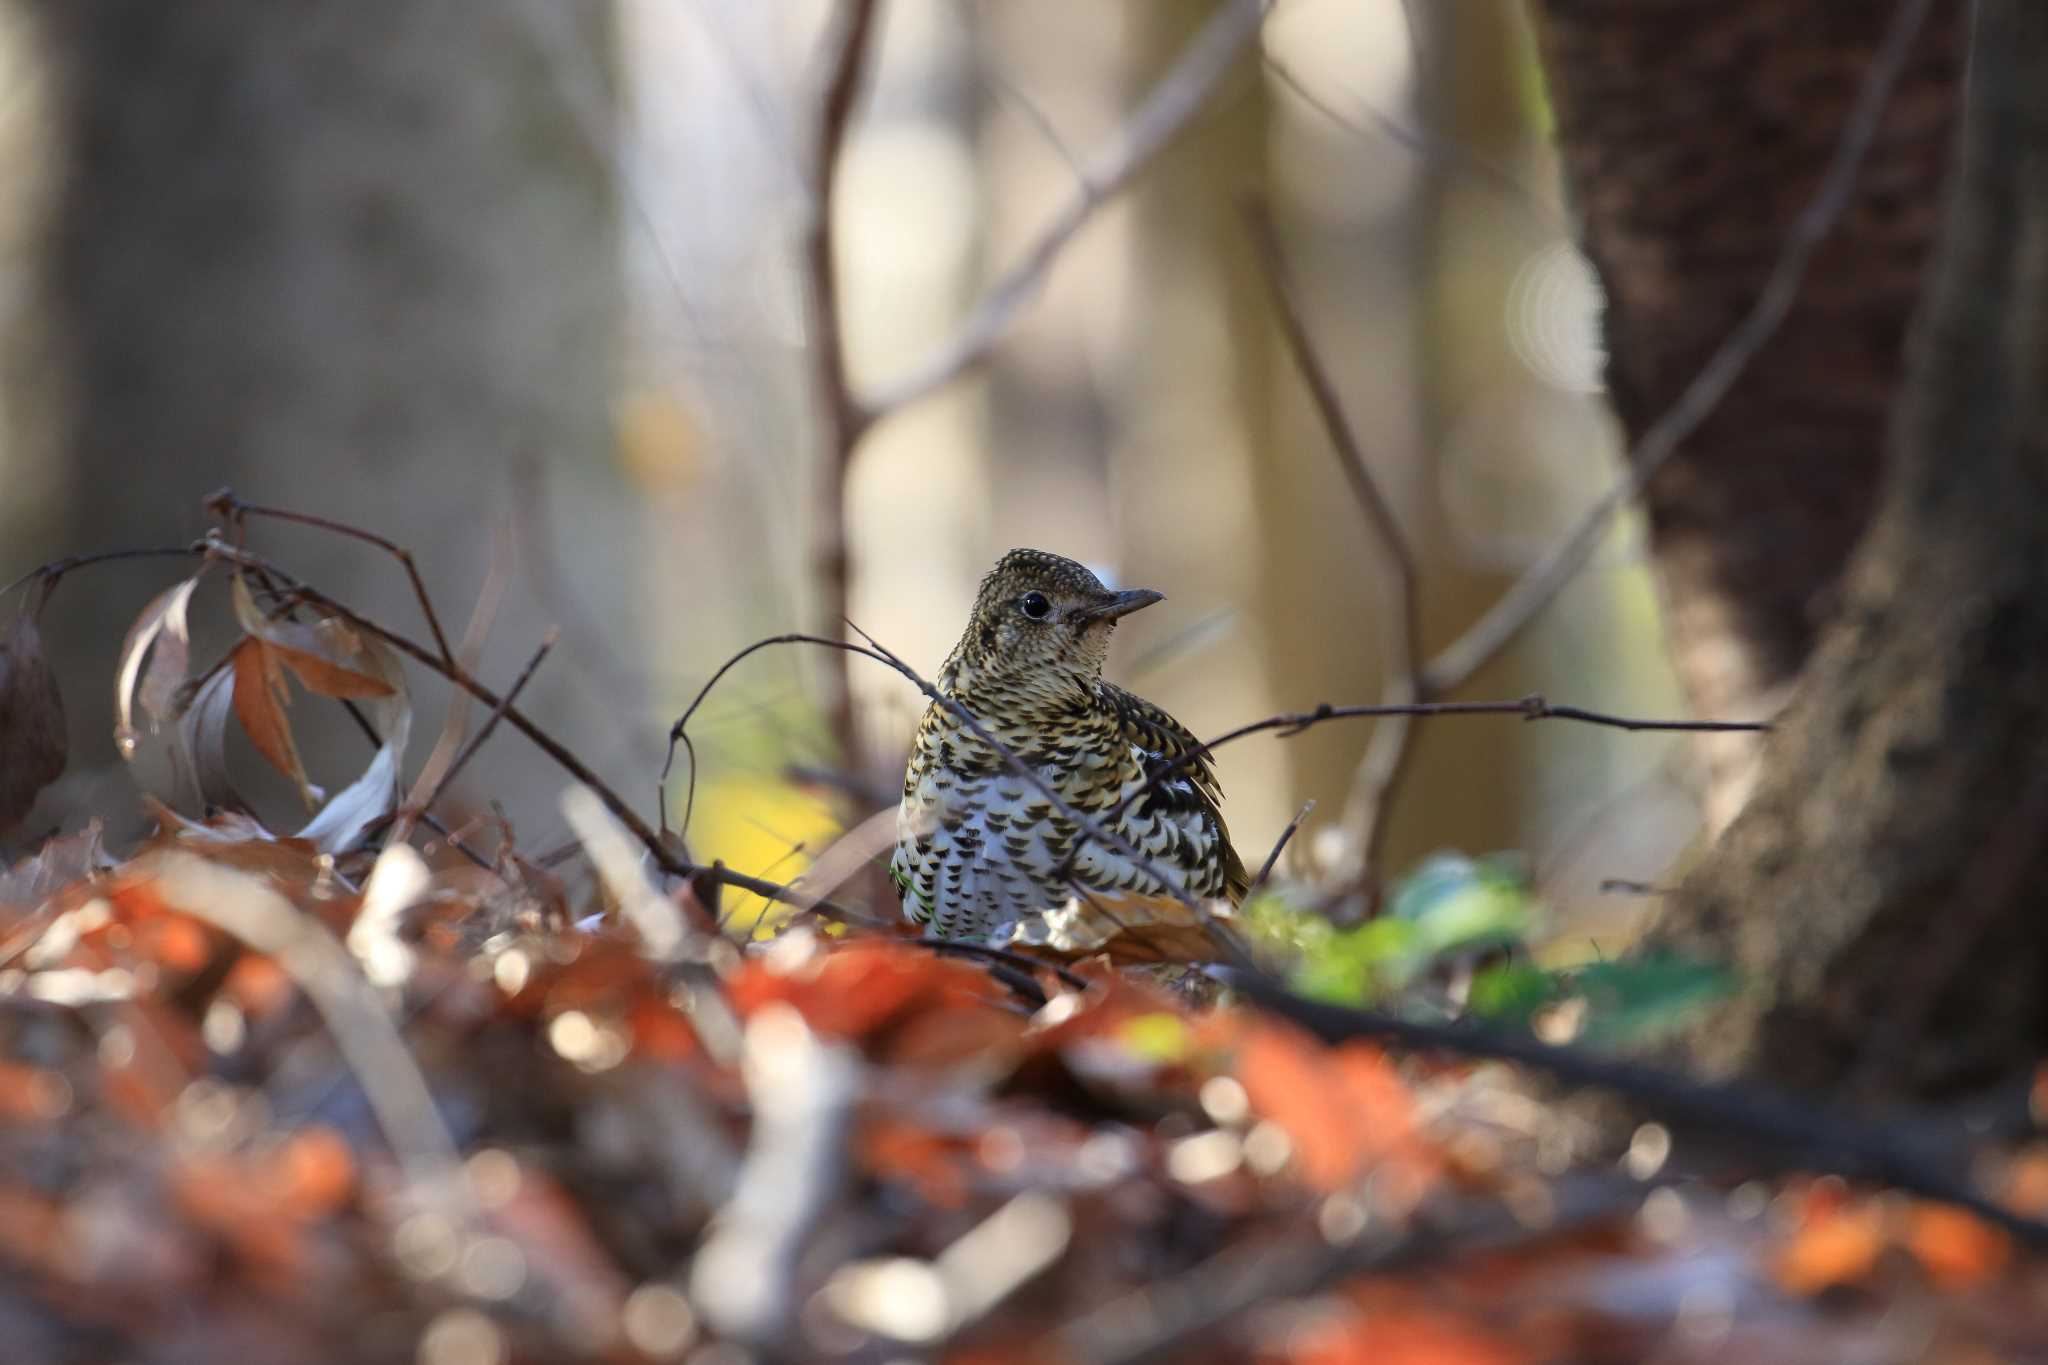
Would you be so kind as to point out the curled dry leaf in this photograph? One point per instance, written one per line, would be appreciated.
(155, 658)
(32, 737)
(374, 794)
(261, 697)
(326, 655)
(203, 737)
(332, 658)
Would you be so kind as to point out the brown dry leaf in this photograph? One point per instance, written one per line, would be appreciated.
(1834, 1246)
(31, 1226)
(31, 1094)
(1398, 1337)
(203, 735)
(32, 733)
(155, 658)
(161, 638)
(57, 864)
(2026, 1183)
(855, 990)
(311, 1174)
(321, 653)
(330, 658)
(1959, 1250)
(261, 696)
(1344, 1109)
(230, 1197)
(341, 823)
(552, 1230)
(933, 1164)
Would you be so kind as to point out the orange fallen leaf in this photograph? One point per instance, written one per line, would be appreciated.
(1399, 1337)
(1831, 1248)
(31, 1094)
(2026, 1186)
(1958, 1249)
(1344, 1109)
(928, 1162)
(311, 1174)
(855, 990)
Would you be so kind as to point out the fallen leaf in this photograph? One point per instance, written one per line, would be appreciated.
(1344, 1109)
(374, 794)
(933, 1164)
(1958, 1249)
(261, 696)
(1398, 1337)
(161, 638)
(857, 990)
(1831, 1248)
(323, 654)
(155, 657)
(310, 1174)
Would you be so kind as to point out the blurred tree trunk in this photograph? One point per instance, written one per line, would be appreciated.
(1693, 133)
(352, 259)
(1882, 893)
(1193, 398)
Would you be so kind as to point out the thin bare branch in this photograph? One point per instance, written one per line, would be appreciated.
(1432, 149)
(1279, 846)
(483, 732)
(225, 505)
(1539, 584)
(432, 778)
(1531, 707)
(1164, 114)
(51, 573)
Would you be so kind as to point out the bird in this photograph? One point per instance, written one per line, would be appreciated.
(980, 851)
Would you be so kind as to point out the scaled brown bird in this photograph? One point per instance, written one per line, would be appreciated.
(978, 848)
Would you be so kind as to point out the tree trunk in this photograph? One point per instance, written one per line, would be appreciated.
(352, 259)
(1881, 894)
(1693, 133)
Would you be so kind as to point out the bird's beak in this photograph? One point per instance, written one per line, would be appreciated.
(1118, 605)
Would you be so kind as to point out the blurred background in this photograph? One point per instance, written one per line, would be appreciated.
(521, 286)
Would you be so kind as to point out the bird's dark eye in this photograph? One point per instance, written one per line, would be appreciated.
(1035, 605)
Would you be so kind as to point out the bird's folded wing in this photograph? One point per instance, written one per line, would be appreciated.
(1127, 927)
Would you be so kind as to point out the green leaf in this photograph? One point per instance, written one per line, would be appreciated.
(1362, 965)
(1458, 902)
(1643, 999)
(1510, 993)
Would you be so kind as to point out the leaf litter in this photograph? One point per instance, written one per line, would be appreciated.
(290, 1095)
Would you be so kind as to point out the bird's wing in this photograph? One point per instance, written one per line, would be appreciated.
(1191, 786)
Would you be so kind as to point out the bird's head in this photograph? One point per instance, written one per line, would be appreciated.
(1041, 616)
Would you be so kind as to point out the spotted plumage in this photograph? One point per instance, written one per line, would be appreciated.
(978, 848)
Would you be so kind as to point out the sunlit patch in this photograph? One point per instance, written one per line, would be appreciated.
(1553, 319)
(764, 828)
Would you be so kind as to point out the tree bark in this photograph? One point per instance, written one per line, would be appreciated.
(1693, 133)
(1881, 895)
(352, 259)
